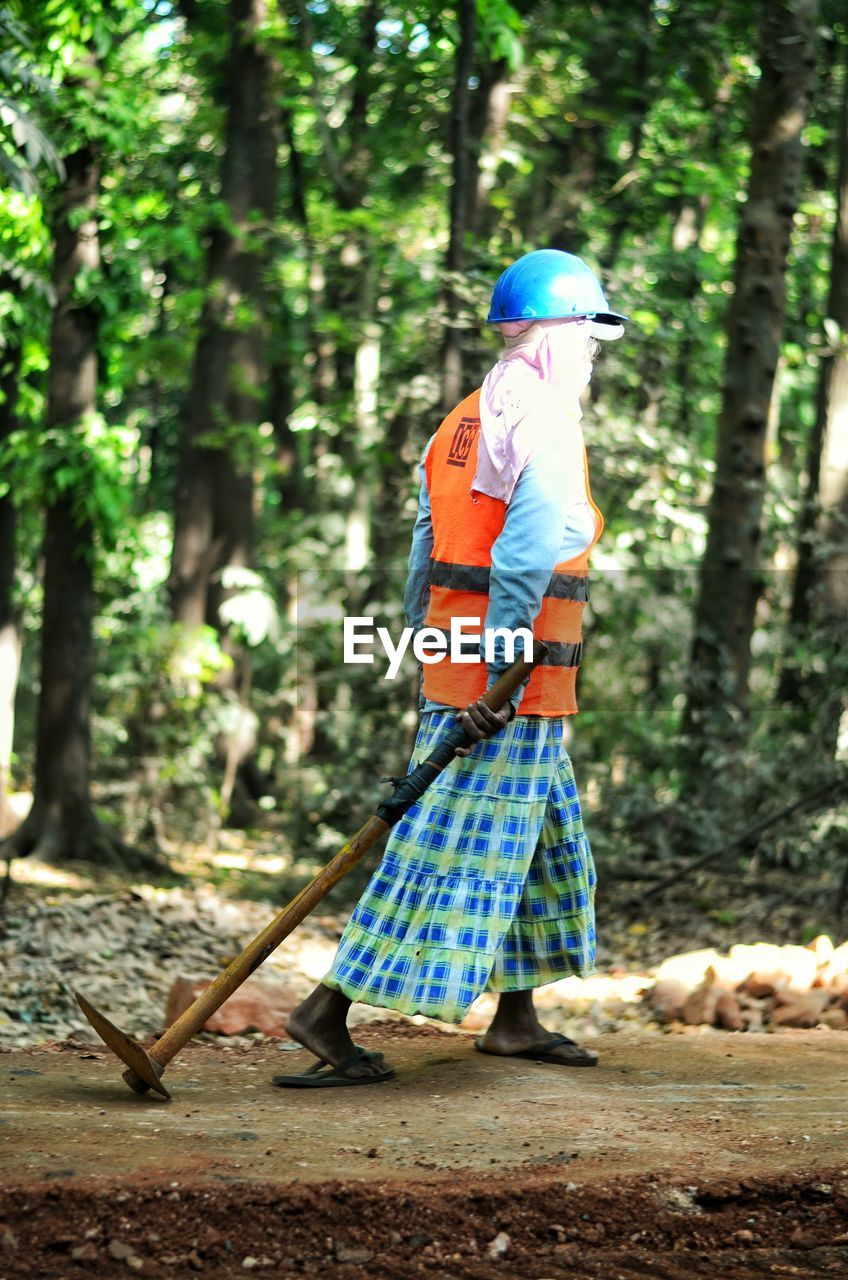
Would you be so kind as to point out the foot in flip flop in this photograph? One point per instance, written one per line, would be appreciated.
(547, 1048)
(319, 1024)
(323, 1075)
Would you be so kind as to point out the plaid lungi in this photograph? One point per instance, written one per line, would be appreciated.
(487, 883)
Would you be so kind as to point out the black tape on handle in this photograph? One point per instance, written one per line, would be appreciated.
(409, 789)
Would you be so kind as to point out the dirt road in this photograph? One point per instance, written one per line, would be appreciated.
(706, 1155)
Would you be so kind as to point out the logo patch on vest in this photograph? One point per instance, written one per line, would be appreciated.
(463, 439)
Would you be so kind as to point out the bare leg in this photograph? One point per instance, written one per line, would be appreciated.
(516, 1028)
(320, 1023)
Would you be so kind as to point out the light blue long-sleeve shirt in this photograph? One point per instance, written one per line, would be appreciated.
(548, 520)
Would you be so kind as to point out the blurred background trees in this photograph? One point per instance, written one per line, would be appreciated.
(246, 248)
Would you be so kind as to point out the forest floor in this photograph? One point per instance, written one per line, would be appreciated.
(693, 1152)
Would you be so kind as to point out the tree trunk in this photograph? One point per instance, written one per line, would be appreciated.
(61, 824)
(158, 459)
(351, 281)
(214, 500)
(316, 346)
(686, 281)
(342, 281)
(347, 284)
(820, 589)
(729, 579)
(641, 37)
(488, 117)
(10, 624)
(367, 381)
(580, 161)
(213, 519)
(459, 204)
(290, 453)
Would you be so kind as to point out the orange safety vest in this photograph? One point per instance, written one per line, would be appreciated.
(464, 531)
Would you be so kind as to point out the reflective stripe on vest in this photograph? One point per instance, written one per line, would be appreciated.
(464, 531)
(473, 577)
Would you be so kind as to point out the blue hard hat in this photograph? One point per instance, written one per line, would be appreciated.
(550, 284)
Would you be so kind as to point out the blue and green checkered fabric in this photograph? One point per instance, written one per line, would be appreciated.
(487, 883)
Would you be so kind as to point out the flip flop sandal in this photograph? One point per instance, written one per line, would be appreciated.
(323, 1075)
(543, 1052)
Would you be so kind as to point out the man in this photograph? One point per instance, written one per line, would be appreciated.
(488, 883)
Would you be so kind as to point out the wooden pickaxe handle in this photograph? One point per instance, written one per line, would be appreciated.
(409, 789)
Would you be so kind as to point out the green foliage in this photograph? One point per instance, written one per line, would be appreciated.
(24, 146)
(249, 609)
(500, 30)
(89, 461)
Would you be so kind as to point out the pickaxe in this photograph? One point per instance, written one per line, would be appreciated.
(146, 1066)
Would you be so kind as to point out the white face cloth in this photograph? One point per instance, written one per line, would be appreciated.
(535, 384)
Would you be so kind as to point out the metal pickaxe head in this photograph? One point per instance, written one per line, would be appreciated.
(143, 1071)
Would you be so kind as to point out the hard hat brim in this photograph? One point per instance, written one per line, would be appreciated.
(607, 325)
